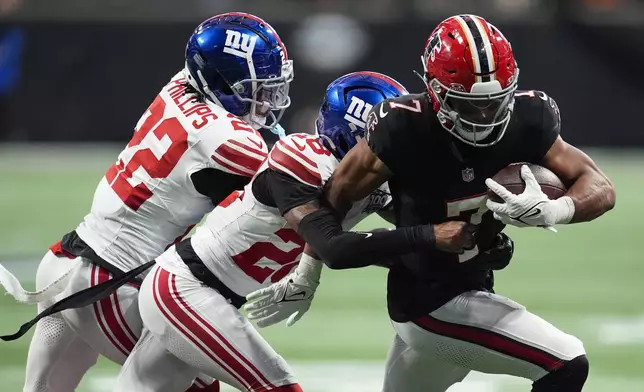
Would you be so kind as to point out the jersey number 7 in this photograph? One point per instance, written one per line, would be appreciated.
(155, 156)
(467, 209)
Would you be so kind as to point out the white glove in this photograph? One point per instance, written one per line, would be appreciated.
(532, 208)
(290, 297)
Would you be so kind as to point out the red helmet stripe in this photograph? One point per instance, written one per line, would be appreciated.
(487, 44)
(479, 48)
(472, 45)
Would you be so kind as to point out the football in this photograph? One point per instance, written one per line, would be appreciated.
(510, 178)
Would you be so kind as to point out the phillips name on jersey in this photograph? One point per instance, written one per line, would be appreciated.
(437, 178)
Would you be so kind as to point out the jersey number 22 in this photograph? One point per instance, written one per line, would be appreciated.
(155, 155)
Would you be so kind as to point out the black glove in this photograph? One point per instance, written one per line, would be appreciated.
(497, 257)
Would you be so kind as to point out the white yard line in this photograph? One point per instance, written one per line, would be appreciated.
(621, 331)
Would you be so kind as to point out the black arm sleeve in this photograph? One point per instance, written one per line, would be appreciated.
(344, 249)
(217, 184)
(323, 231)
(276, 189)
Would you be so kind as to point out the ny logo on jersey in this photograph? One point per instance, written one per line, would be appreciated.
(239, 44)
(357, 112)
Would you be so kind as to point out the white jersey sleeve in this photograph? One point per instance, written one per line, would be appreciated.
(304, 158)
(242, 152)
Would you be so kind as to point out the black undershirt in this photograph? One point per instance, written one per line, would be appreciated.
(216, 184)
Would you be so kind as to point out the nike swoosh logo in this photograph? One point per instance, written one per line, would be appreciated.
(258, 143)
(299, 146)
(532, 211)
(382, 113)
(291, 297)
(535, 212)
(300, 293)
(367, 235)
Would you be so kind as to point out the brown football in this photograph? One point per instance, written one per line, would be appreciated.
(510, 178)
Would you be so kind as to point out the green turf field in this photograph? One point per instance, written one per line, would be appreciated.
(586, 279)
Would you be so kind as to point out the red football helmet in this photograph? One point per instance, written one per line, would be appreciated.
(471, 75)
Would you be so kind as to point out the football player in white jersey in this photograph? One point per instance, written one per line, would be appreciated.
(189, 301)
(195, 144)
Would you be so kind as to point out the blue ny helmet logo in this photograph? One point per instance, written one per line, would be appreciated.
(357, 112)
(239, 44)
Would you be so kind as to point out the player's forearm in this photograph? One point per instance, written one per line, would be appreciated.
(359, 174)
(337, 196)
(342, 249)
(592, 194)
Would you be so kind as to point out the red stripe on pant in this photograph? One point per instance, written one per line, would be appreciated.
(184, 318)
(492, 341)
(108, 315)
(231, 348)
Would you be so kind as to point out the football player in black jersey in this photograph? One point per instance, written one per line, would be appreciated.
(436, 150)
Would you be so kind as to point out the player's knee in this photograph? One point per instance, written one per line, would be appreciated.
(288, 388)
(570, 377)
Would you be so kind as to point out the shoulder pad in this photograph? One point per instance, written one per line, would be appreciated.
(298, 155)
(412, 103)
(242, 152)
(537, 106)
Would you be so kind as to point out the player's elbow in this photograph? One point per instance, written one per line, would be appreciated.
(609, 198)
(606, 189)
(335, 257)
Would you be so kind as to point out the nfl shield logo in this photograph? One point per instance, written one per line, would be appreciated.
(468, 174)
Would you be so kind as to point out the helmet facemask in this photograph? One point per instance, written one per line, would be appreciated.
(472, 117)
(268, 97)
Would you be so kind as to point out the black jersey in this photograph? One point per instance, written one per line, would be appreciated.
(437, 178)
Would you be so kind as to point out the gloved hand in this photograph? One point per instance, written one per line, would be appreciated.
(495, 258)
(289, 298)
(532, 208)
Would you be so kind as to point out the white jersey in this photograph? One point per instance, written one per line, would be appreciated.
(247, 244)
(146, 201)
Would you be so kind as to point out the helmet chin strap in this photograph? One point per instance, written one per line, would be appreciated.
(255, 121)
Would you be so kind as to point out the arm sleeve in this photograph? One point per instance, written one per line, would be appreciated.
(345, 249)
(323, 231)
(277, 189)
(549, 129)
(381, 132)
(217, 184)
